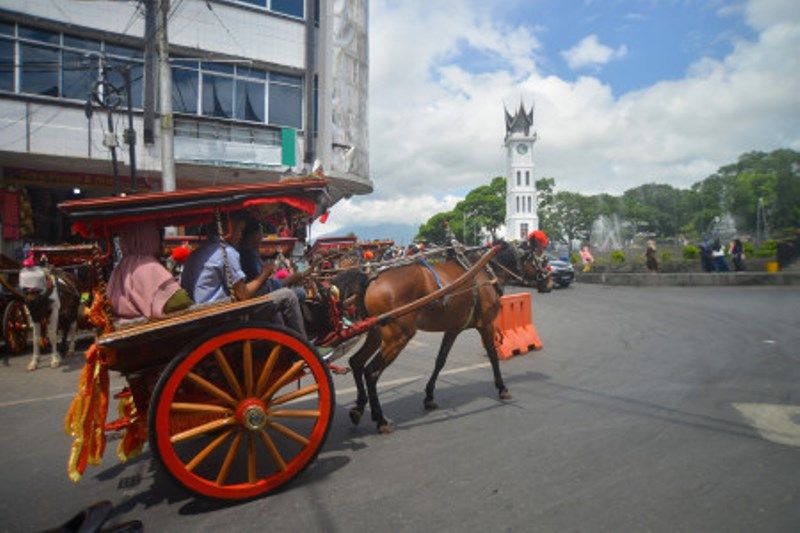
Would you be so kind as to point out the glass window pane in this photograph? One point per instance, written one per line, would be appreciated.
(6, 28)
(250, 101)
(124, 51)
(250, 72)
(83, 44)
(286, 79)
(6, 65)
(260, 3)
(38, 35)
(39, 70)
(79, 72)
(285, 106)
(184, 91)
(224, 68)
(185, 63)
(288, 7)
(217, 96)
(116, 79)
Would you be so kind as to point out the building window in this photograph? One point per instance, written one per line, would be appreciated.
(39, 70)
(293, 8)
(529, 205)
(185, 89)
(217, 96)
(286, 100)
(517, 204)
(527, 177)
(519, 178)
(523, 231)
(62, 65)
(6, 65)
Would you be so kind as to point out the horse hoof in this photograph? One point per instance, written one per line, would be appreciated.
(355, 415)
(385, 428)
(430, 405)
(32, 366)
(55, 363)
(505, 395)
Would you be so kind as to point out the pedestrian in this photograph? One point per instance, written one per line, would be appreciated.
(587, 258)
(718, 257)
(736, 251)
(650, 256)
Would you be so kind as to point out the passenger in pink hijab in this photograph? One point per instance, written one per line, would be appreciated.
(140, 286)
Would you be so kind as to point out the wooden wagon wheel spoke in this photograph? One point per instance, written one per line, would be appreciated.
(283, 380)
(222, 361)
(204, 428)
(299, 393)
(226, 464)
(247, 362)
(200, 407)
(273, 450)
(267, 370)
(205, 452)
(251, 458)
(289, 433)
(295, 413)
(212, 389)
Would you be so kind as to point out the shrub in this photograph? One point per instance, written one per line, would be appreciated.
(617, 257)
(767, 249)
(666, 257)
(574, 258)
(690, 251)
(749, 249)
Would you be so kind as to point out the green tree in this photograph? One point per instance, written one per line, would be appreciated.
(433, 231)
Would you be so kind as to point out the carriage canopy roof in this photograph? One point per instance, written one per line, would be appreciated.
(103, 216)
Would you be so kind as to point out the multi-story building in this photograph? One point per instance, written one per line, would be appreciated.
(521, 217)
(260, 89)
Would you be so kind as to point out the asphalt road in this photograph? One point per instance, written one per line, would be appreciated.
(660, 409)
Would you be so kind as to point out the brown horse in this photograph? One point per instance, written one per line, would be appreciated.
(475, 306)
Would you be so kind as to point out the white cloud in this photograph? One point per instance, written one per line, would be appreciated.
(591, 53)
(437, 129)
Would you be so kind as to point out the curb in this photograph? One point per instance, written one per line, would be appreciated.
(691, 279)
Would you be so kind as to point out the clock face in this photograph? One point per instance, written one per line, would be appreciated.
(522, 149)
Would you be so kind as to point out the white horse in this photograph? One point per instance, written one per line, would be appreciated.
(52, 300)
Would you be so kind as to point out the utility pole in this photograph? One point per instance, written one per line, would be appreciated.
(165, 95)
(150, 29)
(129, 135)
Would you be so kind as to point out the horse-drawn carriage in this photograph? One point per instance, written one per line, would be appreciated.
(233, 405)
(71, 271)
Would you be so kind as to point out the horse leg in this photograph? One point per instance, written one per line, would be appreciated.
(372, 372)
(36, 327)
(52, 336)
(444, 349)
(357, 363)
(68, 339)
(487, 336)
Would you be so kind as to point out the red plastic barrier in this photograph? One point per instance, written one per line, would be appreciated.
(515, 333)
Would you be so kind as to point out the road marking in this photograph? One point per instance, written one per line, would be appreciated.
(773, 421)
(391, 383)
(48, 398)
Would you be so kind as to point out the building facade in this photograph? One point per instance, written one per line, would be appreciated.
(260, 89)
(521, 217)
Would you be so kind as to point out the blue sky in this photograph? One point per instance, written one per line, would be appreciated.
(626, 93)
(662, 39)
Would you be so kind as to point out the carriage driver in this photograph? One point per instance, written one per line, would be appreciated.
(205, 278)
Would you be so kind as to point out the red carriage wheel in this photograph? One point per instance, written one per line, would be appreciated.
(15, 327)
(241, 412)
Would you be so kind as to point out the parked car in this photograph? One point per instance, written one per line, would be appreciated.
(562, 271)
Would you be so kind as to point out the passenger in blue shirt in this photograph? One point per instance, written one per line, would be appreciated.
(205, 279)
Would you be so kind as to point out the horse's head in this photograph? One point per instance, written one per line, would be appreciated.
(534, 266)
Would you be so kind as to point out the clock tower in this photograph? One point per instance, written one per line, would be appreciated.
(521, 217)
